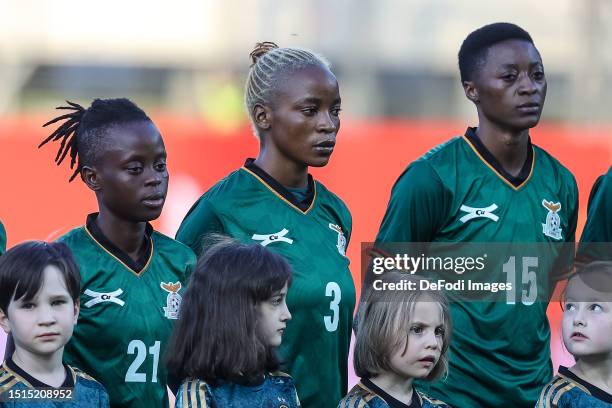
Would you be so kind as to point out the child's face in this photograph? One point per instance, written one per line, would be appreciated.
(273, 315)
(43, 325)
(425, 340)
(587, 320)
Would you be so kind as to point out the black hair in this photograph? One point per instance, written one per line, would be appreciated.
(82, 133)
(473, 51)
(21, 270)
(216, 336)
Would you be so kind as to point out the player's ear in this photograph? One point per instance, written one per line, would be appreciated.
(4, 323)
(262, 116)
(91, 178)
(470, 91)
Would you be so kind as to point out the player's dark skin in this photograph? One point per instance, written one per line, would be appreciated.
(130, 180)
(508, 90)
(299, 128)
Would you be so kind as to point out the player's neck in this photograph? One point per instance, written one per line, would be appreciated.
(508, 147)
(47, 369)
(596, 371)
(126, 235)
(285, 171)
(396, 386)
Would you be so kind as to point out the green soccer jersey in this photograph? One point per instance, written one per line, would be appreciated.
(457, 192)
(312, 235)
(598, 227)
(127, 312)
(2, 239)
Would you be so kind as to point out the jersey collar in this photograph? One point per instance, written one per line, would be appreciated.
(10, 365)
(303, 206)
(136, 266)
(593, 390)
(487, 157)
(392, 402)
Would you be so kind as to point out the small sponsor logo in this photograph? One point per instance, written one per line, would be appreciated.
(267, 239)
(101, 297)
(478, 212)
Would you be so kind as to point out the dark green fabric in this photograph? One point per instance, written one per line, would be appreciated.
(111, 336)
(500, 353)
(316, 343)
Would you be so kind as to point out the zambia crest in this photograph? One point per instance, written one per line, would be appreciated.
(173, 301)
(341, 245)
(552, 228)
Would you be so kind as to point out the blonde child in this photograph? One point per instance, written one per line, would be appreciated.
(401, 336)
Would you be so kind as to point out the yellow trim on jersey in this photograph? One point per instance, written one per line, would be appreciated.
(139, 273)
(314, 197)
(196, 390)
(558, 386)
(8, 373)
(533, 159)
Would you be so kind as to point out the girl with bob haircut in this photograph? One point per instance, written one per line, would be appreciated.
(232, 318)
(401, 336)
(587, 330)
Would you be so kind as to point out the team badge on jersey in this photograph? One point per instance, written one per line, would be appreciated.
(478, 212)
(552, 228)
(267, 239)
(341, 245)
(173, 301)
(101, 297)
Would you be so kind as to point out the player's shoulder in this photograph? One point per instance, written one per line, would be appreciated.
(552, 167)
(329, 197)
(427, 166)
(169, 245)
(223, 192)
(429, 402)
(75, 236)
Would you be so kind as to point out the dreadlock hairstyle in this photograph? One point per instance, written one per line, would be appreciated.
(82, 133)
(473, 51)
(269, 62)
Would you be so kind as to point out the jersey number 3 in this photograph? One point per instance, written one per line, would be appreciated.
(140, 349)
(333, 290)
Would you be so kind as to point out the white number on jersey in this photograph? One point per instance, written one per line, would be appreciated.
(331, 322)
(140, 349)
(528, 277)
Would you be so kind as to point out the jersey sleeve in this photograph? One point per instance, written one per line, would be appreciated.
(2, 239)
(417, 208)
(199, 221)
(598, 227)
(563, 265)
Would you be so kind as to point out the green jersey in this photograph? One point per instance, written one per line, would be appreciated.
(598, 227)
(127, 313)
(458, 192)
(312, 235)
(2, 239)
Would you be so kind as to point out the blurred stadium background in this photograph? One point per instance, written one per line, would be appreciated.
(185, 63)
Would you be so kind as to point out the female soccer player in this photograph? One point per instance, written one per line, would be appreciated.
(293, 101)
(232, 319)
(402, 335)
(587, 330)
(132, 276)
(493, 185)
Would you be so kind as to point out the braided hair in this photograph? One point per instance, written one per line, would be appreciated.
(83, 130)
(268, 63)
